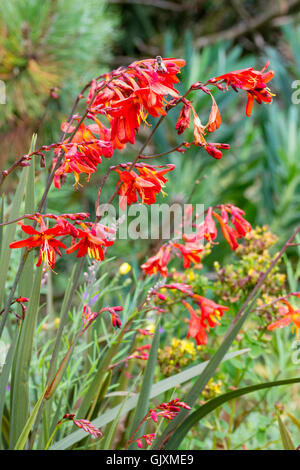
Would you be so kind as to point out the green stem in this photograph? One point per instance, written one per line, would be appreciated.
(230, 425)
(12, 292)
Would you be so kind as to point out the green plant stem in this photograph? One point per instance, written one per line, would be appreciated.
(12, 292)
(131, 439)
(51, 438)
(231, 422)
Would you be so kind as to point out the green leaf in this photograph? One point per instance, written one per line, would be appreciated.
(156, 390)
(213, 404)
(28, 426)
(285, 434)
(26, 181)
(20, 392)
(9, 232)
(101, 394)
(143, 401)
(26, 278)
(5, 373)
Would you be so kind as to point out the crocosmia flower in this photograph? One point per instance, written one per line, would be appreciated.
(83, 153)
(141, 89)
(158, 262)
(190, 253)
(92, 241)
(254, 82)
(208, 317)
(147, 183)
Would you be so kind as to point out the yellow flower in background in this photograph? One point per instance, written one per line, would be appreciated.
(212, 389)
(177, 356)
(183, 346)
(124, 268)
(191, 276)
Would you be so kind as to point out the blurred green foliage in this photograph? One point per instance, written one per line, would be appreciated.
(49, 44)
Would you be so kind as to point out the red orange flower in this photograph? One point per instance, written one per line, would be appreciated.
(45, 239)
(211, 311)
(254, 82)
(209, 316)
(241, 225)
(134, 92)
(190, 253)
(196, 327)
(167, 410)
(140, 353)
(208, 230)
(147, 184)
(82, 154)
(158, 262)
(214, 120)
(91, 241)
(180, 286)
(89, 317)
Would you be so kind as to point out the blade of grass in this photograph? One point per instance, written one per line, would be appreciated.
(10, 230)
(110, 436)
(101, 394)
(65, 308)
(26, 278)
(21, 442)
(4, 377)
(20, 392)
(285, 434)
(143, 401)
(26, 180)
(294, 419)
